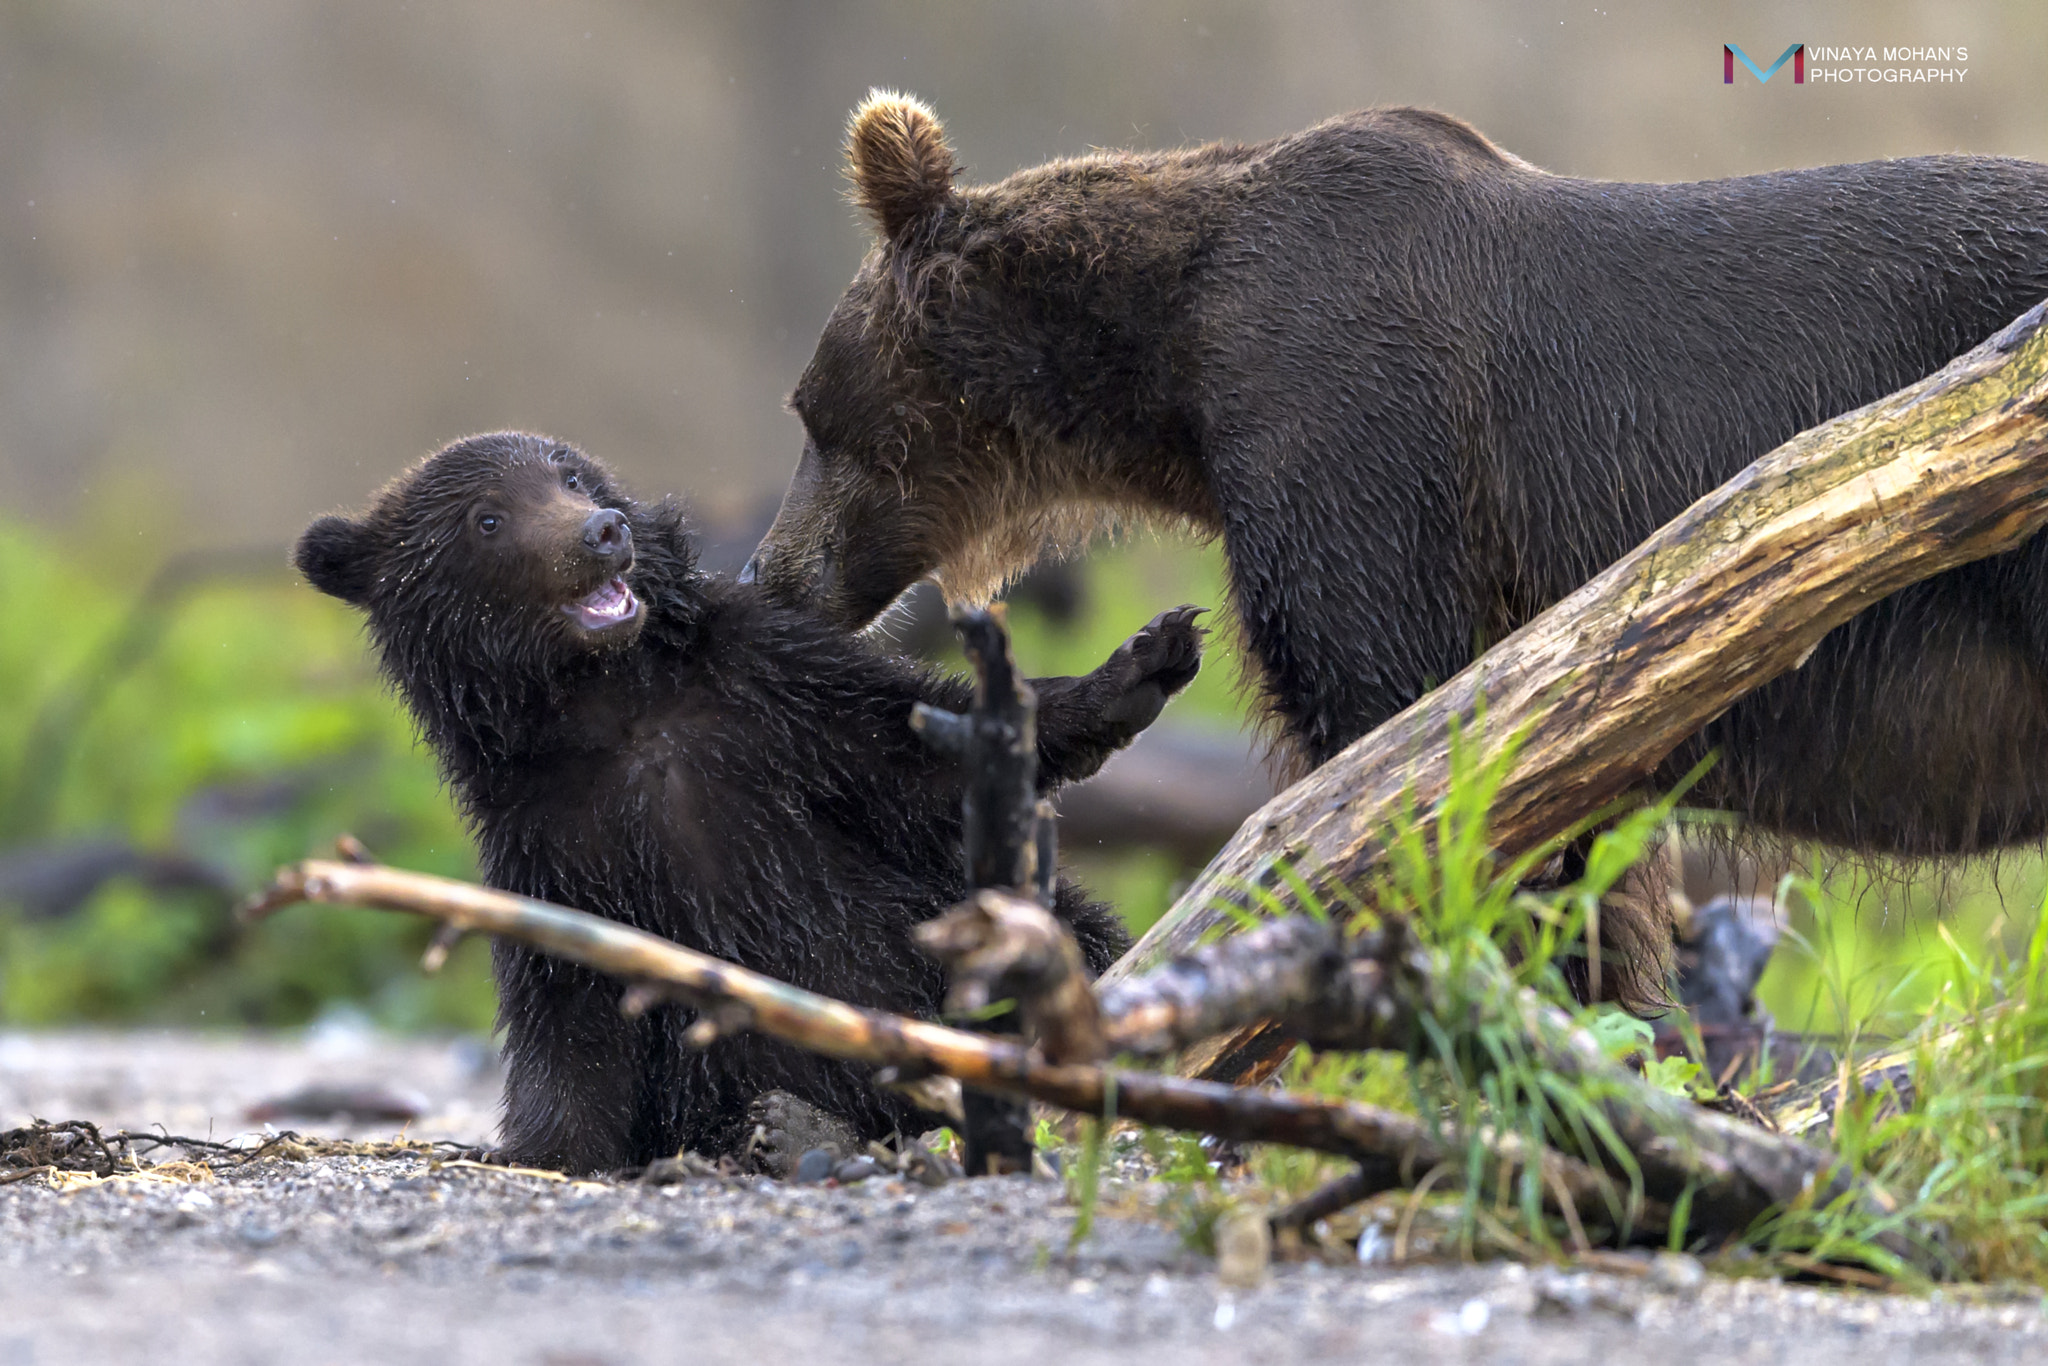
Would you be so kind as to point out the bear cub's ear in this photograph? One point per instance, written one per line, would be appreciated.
(898, 159)
(337, 557)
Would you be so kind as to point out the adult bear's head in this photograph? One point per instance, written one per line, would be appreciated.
(499, 562)
(994, 383)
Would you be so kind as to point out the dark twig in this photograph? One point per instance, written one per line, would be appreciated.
(1360, 1183)
(996, 743)
(1010, 841)
(77, 1145)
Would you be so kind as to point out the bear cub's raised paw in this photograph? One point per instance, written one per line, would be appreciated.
(1153, 665)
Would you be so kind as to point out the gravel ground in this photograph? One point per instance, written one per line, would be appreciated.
(388, 1259)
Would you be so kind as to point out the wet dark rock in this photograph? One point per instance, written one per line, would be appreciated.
(363, 1102)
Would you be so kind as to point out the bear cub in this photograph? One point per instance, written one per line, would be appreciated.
(670, 750)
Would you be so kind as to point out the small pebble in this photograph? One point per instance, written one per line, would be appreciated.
(1244, 1249)
(1677, 1274)
(1374, 1246)
(1559, 1292)
(1468, 1321)
(814, 1166)
(855, 1169)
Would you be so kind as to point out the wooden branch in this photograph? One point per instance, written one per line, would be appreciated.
(998, 947)
(1806, 1108)
(996, 743)
(1360, 1183)
(739, 998)
(1321, 988)
(1605, 684)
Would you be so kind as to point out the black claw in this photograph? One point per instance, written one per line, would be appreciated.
(1169, 649)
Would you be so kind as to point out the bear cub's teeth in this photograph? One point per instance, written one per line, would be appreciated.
(610, 604)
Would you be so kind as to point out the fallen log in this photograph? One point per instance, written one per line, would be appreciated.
(1606, 684)
(1181, 787)
(1886, 1076)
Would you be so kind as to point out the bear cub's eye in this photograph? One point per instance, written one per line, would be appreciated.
(570, 481)
(488, 522)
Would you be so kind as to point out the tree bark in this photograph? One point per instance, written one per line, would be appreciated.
(1603, 686)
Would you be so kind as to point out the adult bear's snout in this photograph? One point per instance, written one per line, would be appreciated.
(607, 536)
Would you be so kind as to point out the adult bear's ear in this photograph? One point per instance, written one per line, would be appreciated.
(898, 159)
(337, 557)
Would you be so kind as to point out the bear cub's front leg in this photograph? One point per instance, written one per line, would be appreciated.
(1082, 721)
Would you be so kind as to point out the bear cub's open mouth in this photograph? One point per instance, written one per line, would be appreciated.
(609, 604)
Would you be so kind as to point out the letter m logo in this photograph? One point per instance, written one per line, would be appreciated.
(1730, 54)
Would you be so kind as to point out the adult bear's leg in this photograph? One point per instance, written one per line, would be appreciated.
(1349, 573)
(1918, 728)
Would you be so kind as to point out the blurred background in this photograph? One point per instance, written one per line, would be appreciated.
(256, 257)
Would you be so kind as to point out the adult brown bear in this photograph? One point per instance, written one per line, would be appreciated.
(1422, 389)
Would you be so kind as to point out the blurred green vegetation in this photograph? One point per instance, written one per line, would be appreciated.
(1867, 950)
(231, 715)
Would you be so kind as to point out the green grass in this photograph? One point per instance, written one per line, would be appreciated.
(1869, 949)
(1967, 1156)
(1965, 1160)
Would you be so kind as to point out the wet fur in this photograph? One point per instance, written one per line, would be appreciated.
(735, 776)
(1422, 390)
